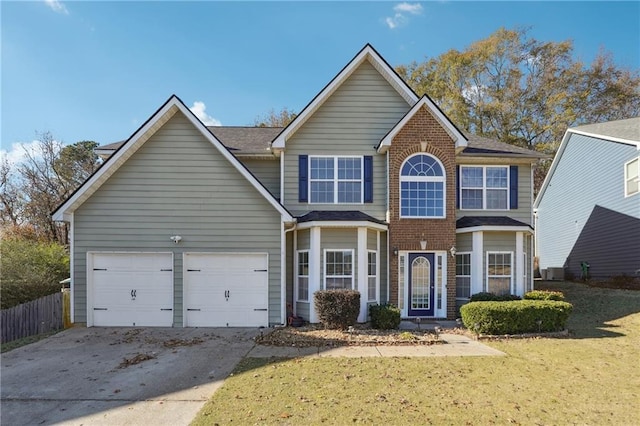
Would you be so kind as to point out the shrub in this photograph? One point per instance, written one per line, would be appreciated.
(492, 297)
(544, 295)
(523, 316)
(384, 317)
(337, 308)
(30, 270)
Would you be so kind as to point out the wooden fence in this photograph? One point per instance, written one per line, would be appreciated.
(35, 317)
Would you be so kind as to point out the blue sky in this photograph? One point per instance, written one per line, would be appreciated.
(98, 70)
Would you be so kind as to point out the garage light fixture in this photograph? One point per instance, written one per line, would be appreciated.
(176, 239)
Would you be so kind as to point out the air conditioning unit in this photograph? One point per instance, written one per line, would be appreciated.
(555, 274)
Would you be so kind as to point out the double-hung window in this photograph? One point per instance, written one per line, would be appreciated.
(632, 177)
(336, 180)
(463, 276)
(303, 275)
(499, 272)
(484, 187)
(422, 192)
(338, 269)
(372, 275)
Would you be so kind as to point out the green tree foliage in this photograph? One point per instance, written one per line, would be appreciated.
(523, 91)
(275, 118)
(32, 189)
(31, 269)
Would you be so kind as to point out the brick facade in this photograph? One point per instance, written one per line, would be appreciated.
(405, 234)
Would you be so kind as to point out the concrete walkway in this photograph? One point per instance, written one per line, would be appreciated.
(454, 345)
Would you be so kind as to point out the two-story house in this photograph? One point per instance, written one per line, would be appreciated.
(370, 188)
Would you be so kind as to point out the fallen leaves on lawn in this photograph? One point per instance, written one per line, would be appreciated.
(316, 336)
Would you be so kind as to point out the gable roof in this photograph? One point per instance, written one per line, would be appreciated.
(625, 131)
(172, 106)
(367, 53)
(425, 101)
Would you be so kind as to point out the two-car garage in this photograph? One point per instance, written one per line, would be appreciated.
(140, 289)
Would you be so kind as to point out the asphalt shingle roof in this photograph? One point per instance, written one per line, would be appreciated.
(257, 140)
(239, 140)
(628, 129)
(331, 215)
(473, 221)
(479, 145)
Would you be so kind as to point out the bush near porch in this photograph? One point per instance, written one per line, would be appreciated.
(337, 309)
(515, 317)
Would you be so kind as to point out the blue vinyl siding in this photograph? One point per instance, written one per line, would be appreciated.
(590, 173)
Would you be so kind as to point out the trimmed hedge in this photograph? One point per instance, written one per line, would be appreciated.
(516, 317)
(384, 317)
(544, 295)
(337, 309)
(492, 297)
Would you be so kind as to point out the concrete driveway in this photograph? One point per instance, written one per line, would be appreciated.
(119, 375)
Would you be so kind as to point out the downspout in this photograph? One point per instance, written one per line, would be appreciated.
(388, 217)
(283, 273)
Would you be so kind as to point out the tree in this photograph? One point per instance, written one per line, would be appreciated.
(30, 269)
(48, 175)
(526, 92)
(275, 118)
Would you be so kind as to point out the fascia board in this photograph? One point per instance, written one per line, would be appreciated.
(120, 156)
(494, 228)
(113, 163)
(341, 224)
(552, 169)
(606, 138)
(459, 139)
(368, 52)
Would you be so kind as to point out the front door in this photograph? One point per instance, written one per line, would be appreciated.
(421, 284)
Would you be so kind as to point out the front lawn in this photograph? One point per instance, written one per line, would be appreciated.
(591, 377)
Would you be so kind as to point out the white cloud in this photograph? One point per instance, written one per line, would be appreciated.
(401, 10)
(18, 152)
(414, 9)
(199, 109)
(57, 6)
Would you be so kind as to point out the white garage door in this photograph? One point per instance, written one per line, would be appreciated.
(131, 289)
(226, 290)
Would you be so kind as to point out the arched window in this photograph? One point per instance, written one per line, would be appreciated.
(422, 186)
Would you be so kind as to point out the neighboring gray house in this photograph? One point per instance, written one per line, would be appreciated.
(370, 187)
(588, 209)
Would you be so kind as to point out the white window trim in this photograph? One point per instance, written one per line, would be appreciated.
(297, 291)
(626, 177)
(464, 276)
(484, 187)
(442, 179)
(335, 178)
(511, 279)
(324, 268)
(376, 276)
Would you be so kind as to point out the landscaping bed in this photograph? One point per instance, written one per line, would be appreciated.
(359, 335)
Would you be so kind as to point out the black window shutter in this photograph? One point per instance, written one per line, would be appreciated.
(513, 187)
(457, 187)
(303, 170)
(368, 179)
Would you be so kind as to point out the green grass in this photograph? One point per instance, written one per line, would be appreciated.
(591, 377)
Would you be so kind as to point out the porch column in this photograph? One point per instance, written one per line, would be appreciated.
(519, 264)
(361, 273)
(315, 268)
(477, 262)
